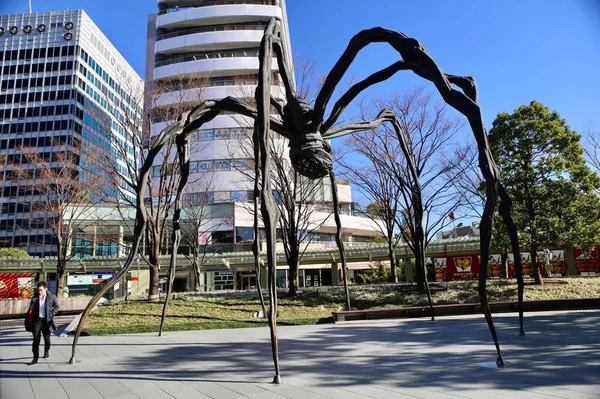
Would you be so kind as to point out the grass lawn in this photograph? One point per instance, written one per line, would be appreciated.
(234, 309)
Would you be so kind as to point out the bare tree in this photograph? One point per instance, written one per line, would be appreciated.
(299, 200)
(376, 183)
(197, 226)
(425, 197)
(66, 187)
(162, 102)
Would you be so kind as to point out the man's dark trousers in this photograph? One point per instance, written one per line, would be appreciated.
(40, 327)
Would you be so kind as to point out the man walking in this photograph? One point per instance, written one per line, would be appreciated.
(43, 308)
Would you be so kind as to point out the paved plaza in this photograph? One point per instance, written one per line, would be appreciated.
(559, 357)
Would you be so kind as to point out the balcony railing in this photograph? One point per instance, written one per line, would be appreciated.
(210, 55)
(216, 28)
(218, 3)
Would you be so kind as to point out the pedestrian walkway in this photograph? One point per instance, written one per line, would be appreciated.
(417, 358)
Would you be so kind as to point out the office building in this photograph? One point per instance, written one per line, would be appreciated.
(63, 87)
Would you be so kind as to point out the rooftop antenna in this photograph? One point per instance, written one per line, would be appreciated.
(30, 11)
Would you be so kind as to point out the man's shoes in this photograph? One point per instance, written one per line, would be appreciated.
(34, 361)
(46, 354)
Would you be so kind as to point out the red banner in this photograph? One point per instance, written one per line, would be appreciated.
(586, 262)
(16, 285)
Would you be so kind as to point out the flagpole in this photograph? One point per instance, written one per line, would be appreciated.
(30, 11)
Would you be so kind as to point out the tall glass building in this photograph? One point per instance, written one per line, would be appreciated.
(58, 74)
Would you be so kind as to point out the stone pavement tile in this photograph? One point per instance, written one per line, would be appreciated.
(244, 388)
(378, 392)
(42, 379)
(269, 395)
(592, 389)
(78, 387)
(109, 387)
(16, 388)
(179, 390)
(291, 391)
(213, 390)
(426, 392)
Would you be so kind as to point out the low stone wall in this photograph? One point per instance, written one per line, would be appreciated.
(18, 307)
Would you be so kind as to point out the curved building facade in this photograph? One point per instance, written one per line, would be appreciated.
(221, 39)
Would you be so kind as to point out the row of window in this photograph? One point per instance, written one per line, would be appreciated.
(42, 126)
(221, 134)
(211, 197)
(108, 80)
(27, 54)
(45, 141)
(219, 165)
(41, 96)
(35, 68)
(49, 110)
(36, 82)
(48, 156)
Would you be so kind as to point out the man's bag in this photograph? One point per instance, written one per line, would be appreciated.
(29, 320)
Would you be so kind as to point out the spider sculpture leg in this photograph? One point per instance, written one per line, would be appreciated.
(183, 156)
(186, 124)
(255, 245)
(140, 224)
(505, 210)
(269, 210)
(338, 235)
(389, 116)
(416, 57)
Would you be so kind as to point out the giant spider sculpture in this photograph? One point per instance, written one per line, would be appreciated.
(307, 131)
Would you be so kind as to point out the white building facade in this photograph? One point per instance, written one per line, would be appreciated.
(59, 75)
(222, 39)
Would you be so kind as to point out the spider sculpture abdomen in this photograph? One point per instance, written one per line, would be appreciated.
(311, 155)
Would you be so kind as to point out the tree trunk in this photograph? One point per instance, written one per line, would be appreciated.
(293, 276)
(61, 267)
(153, 293)
(197, 278)
(504, 264)
(420, 277)
(392, 257)
(535, 270)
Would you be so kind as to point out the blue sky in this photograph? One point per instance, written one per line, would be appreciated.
(518, 51)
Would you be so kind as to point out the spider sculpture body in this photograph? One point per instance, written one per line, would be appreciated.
(308, 130)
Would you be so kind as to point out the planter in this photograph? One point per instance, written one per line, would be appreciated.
(18, 307)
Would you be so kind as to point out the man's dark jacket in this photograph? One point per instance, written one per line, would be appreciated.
(34, 308)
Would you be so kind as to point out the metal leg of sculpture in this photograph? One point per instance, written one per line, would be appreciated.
(338, 236)
(255, 247)
(183, 156)
(140, 224)
(485, 244)
(505, 210)
(269, 209)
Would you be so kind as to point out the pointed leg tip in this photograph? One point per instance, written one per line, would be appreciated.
(72, 360)
(277, 379)
(500, 362)
(522, 333)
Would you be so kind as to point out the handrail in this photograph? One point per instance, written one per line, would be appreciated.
(237, 53)
(246, 259)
